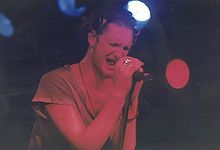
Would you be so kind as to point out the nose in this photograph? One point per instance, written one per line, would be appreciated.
(120, 52)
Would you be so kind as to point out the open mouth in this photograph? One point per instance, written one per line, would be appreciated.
(111, 61)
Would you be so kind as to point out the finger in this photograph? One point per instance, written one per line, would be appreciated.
(135, 64)
(128, 65)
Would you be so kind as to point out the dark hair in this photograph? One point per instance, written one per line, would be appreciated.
(99, 19)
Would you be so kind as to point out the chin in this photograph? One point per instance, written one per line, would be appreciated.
(108, 73)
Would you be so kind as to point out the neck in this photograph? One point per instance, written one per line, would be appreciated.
(90, 73)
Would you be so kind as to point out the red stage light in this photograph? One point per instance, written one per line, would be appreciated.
(177, 73)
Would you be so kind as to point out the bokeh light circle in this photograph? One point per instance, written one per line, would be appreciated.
(6, 28)
(177, 73)
(139, 10)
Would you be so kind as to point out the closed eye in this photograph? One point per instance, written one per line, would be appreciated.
(126, 48)
(114, 44)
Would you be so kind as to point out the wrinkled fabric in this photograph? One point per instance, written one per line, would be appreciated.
(63, 88)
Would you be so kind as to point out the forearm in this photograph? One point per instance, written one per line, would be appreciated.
(130, 136)
(68, 120)
(129, 142)
(130, 133)
(99, 130)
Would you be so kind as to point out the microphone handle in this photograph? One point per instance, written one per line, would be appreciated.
(139, 75)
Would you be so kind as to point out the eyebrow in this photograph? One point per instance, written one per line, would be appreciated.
(118, 44)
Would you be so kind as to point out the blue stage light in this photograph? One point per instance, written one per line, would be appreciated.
(6, 28)
(68, 7)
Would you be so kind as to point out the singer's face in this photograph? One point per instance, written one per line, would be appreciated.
(113, 44)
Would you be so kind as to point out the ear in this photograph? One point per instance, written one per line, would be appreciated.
(92, 38)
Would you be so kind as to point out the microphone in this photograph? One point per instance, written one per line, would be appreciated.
(139, 75)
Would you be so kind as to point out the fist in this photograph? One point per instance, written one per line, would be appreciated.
(124, 70)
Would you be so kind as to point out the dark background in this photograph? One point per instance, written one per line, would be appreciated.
(170, 119)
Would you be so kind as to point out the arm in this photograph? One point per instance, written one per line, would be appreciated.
(69, 123)
(130, 133)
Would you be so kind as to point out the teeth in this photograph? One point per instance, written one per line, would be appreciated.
(110, 61)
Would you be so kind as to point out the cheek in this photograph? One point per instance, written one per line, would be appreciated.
(99, 55)
(125, 53)
(101, 44)
(102, 49)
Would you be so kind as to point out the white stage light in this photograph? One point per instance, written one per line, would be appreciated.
(139, 10)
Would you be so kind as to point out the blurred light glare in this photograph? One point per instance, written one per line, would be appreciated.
(139, 10)
(6, 28)
(68, 7)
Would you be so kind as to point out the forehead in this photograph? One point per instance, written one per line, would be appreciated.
(118, 33)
